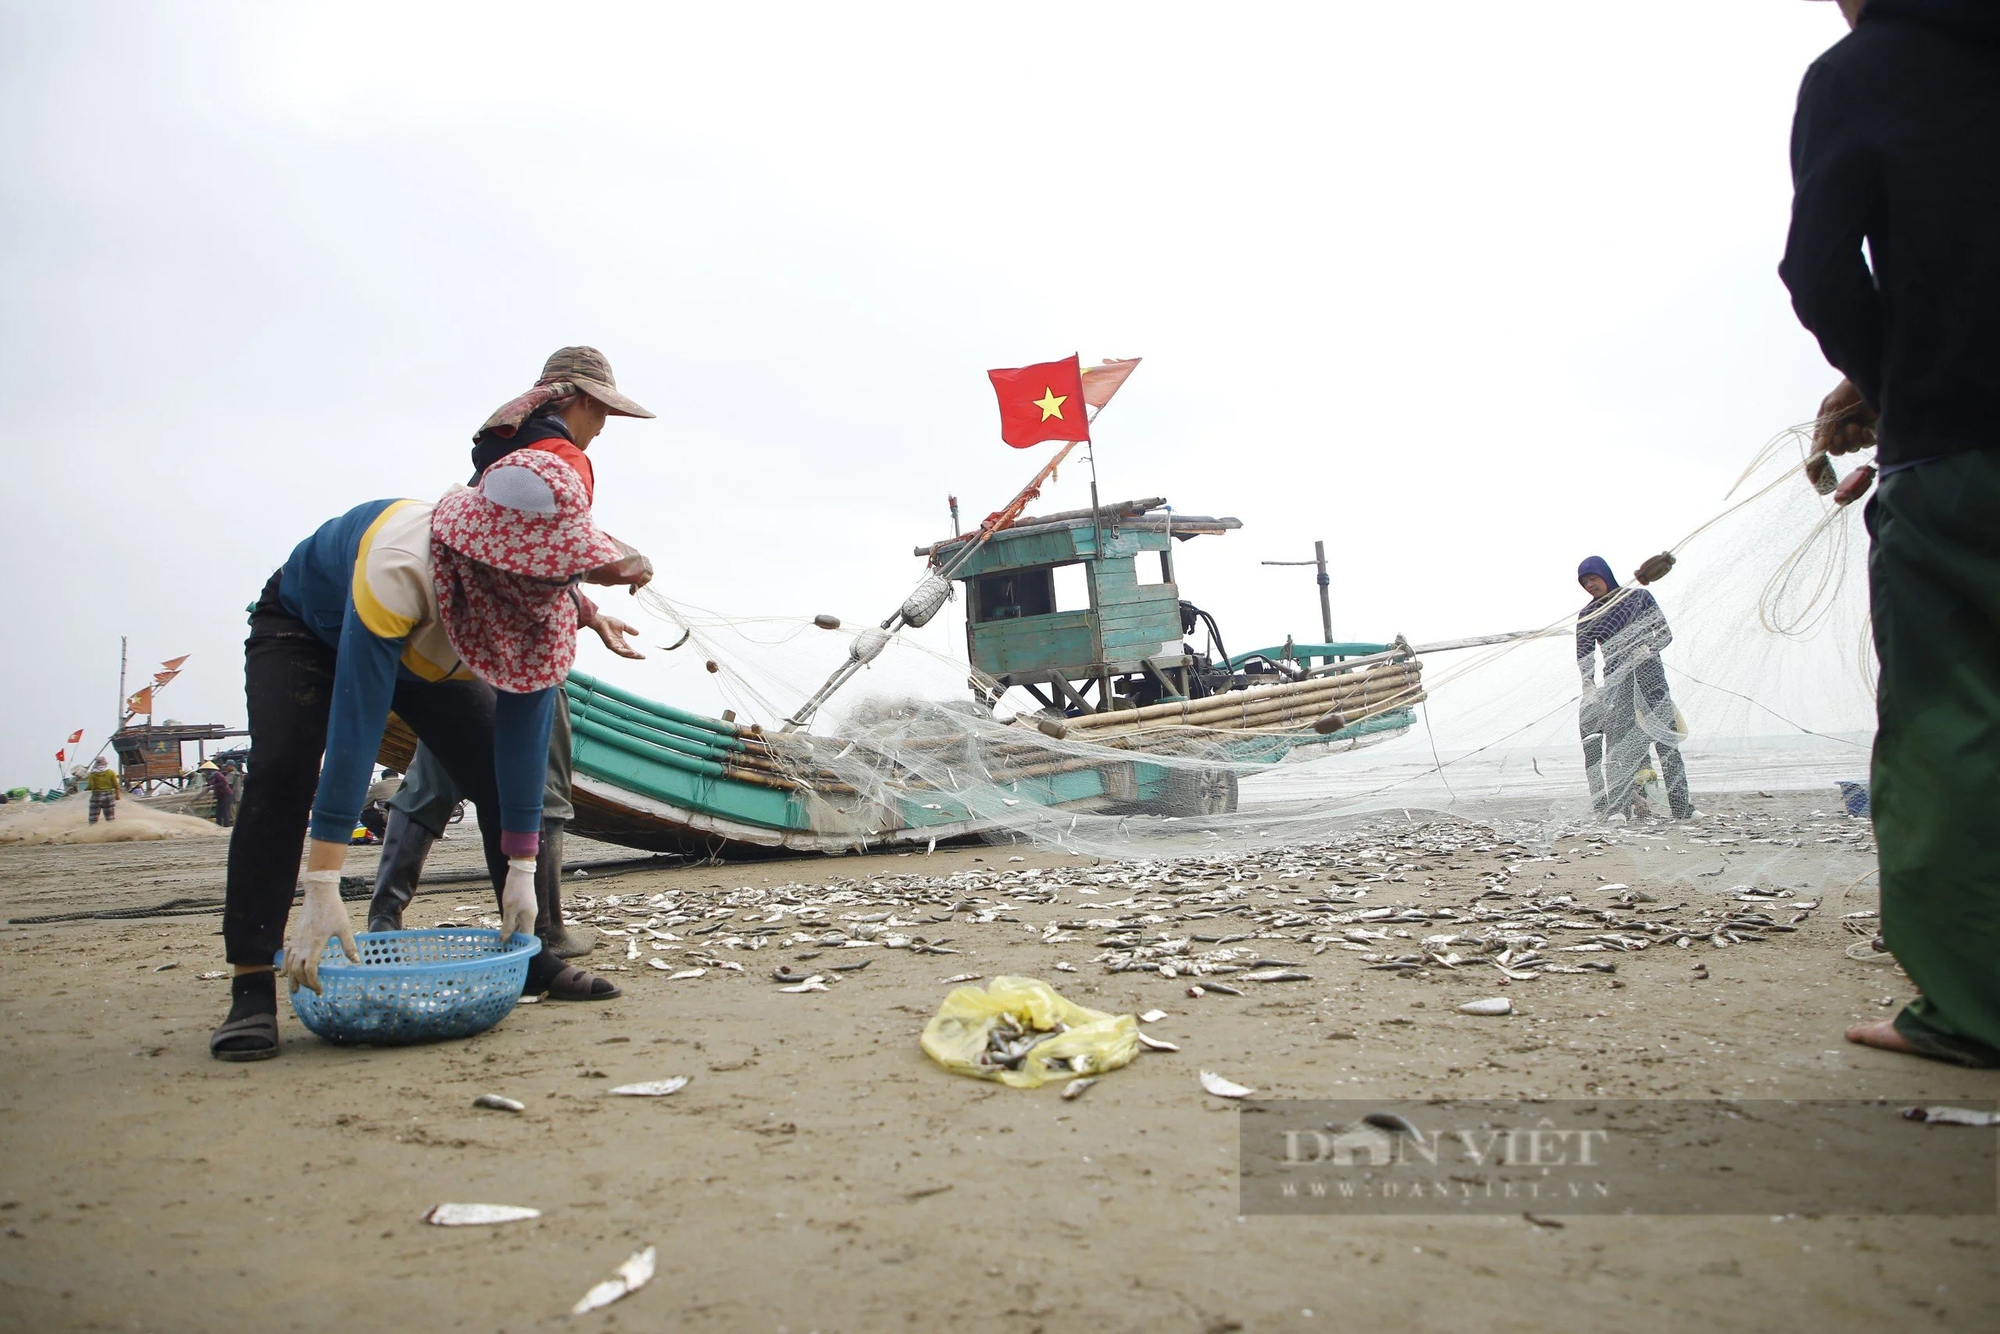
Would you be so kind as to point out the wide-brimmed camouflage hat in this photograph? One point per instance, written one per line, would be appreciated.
(569, 370)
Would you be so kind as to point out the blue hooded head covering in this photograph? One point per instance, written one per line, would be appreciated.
(1598, 566)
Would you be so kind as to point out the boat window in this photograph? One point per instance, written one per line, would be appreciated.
(1011, 594)
(1072, 587)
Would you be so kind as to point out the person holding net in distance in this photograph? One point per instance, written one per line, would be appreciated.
(1631, 712)
(1896, 145)
(561, 414)
(462, 617)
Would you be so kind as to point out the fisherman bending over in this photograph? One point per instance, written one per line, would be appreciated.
(1632, 710)
(561, 415)
(461, 617)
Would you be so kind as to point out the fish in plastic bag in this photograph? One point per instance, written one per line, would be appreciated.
(1021, 1032)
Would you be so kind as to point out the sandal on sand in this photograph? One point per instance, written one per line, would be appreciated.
(574, 984)
(254, 1037)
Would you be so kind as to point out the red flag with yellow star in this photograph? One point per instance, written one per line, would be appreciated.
(1041, 402)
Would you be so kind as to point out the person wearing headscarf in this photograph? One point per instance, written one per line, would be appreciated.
(460, 616)
(103, 786)
(1893, 264)
(1631, 711)
(561, 414)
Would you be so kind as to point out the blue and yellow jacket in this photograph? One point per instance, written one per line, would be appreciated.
(362, 584)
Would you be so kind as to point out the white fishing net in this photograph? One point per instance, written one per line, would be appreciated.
(1766, 685)
(68, 821)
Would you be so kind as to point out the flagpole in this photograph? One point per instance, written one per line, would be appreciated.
(1096, 519)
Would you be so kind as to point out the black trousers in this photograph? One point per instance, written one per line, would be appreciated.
(288, 684)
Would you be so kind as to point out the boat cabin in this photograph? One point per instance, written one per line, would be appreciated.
(1081, 608)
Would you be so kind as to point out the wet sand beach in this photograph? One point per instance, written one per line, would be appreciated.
(820, 1173)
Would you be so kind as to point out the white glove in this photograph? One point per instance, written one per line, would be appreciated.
(517, 899)
(320, 916)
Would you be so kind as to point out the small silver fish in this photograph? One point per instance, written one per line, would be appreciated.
(1076, 1088)
(1155, 1044)
(658, 1088)
(498, 1103)
(633, 1275)
(478, 1215)
(1224, 1088)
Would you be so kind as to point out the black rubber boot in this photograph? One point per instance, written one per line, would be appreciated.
(405, 845)
(564, 942)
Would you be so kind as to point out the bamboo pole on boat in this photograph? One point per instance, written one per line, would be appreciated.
(1246, 702)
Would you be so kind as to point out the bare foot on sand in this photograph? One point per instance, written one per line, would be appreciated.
(1882, 1033)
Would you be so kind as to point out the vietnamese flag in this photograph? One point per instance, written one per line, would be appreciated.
(76, 736)
(1041, 402)
(60, 757)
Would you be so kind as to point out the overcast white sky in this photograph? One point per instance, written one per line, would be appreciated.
(1469, 290)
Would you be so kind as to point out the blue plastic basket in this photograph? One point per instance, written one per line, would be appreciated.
(415, 986)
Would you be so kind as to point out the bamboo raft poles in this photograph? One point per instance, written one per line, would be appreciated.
(1265, 706)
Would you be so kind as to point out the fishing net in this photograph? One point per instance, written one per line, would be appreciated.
(68, 821)
(1755, 672)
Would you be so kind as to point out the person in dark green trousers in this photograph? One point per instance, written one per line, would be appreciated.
(1896, 142)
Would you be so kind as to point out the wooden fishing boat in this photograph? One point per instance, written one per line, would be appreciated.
(1133, 718)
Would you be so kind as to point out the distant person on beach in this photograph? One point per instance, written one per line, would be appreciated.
(1896, 144)
(103, 787)
(563, 413)
(460, 616)
(225, 799)
(1631, 712)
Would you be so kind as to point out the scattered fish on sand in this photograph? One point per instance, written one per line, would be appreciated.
(1224, 1088)
(1076, 1088)
(658, 1088)
(814, 983)
(478, 1215)
(1152, 1016)
(633, 1275)
(211, 977)
(498, 1103)
(1394, 1124)
(1491, 1005)
(1152, 1043)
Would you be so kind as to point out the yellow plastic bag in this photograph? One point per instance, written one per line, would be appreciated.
(960, 1036)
